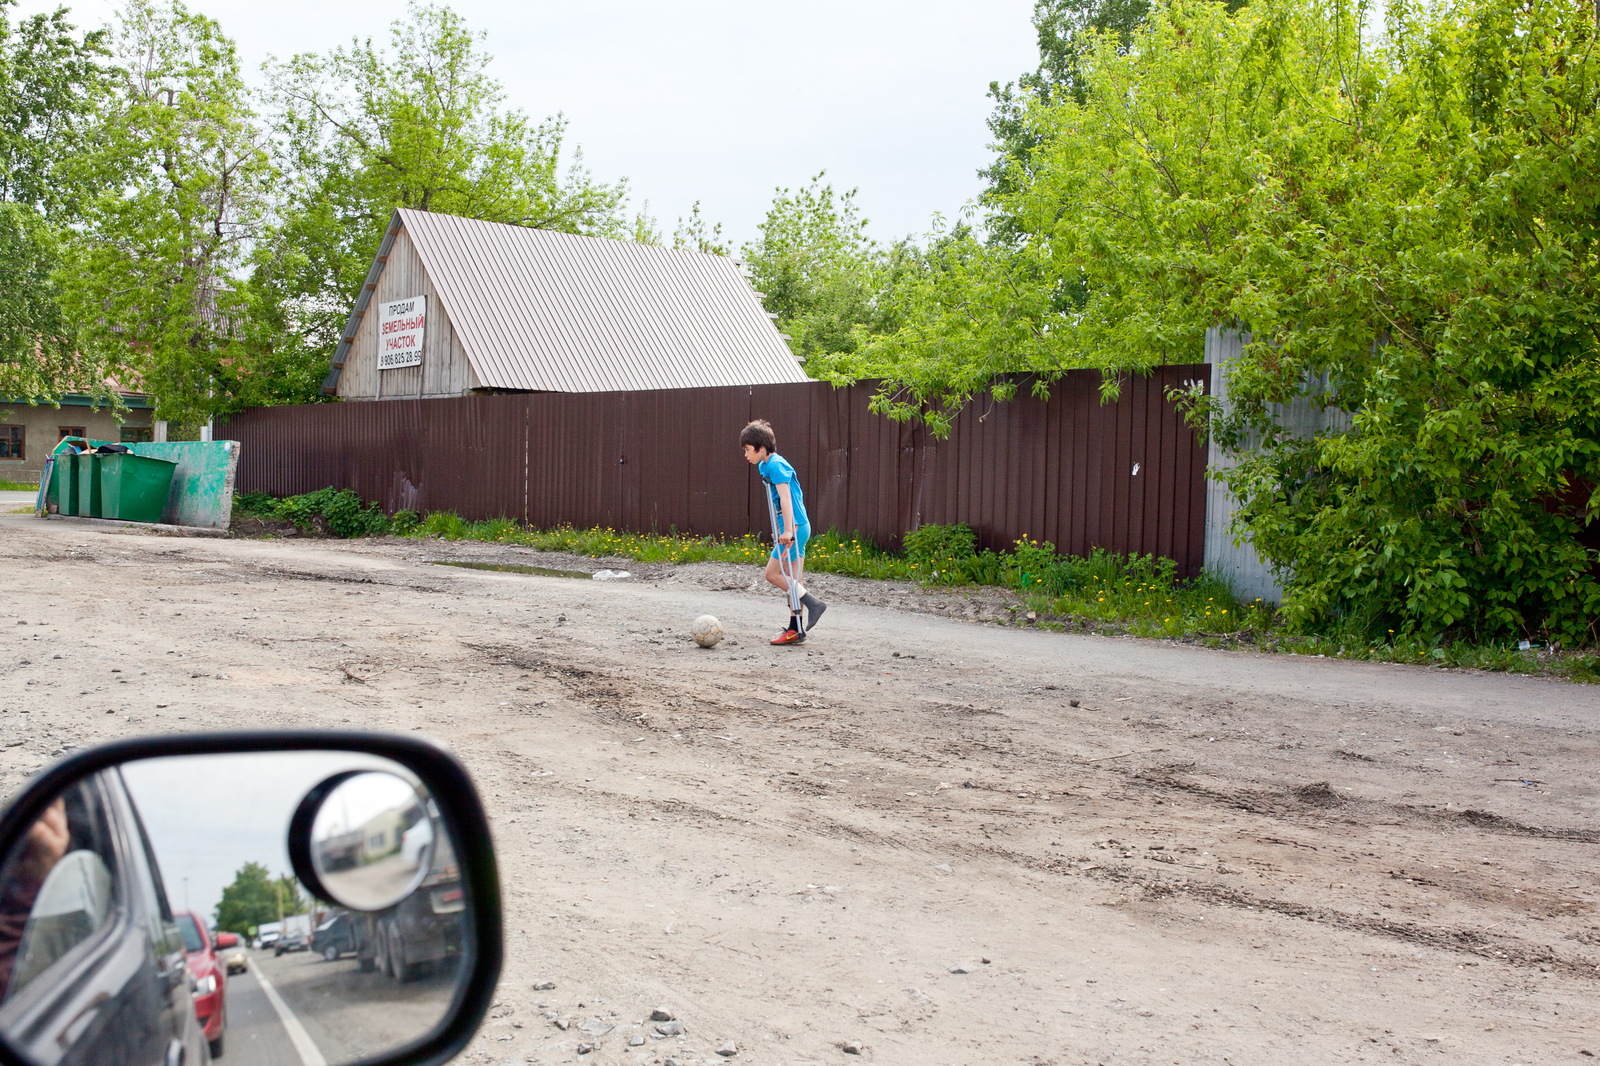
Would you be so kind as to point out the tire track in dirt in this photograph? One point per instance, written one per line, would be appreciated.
(1510, 950)
(1307, 806)
(1319, 796)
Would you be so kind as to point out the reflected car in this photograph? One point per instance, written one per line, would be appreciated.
(207, 975)
(238, 962)
(415, 841)
(92, 960)
(291, 942)
(334, 937)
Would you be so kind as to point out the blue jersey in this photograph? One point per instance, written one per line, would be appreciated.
(775, 470)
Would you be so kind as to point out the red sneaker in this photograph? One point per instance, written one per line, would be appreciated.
(788, 636)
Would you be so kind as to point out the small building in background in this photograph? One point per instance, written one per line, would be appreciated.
(30, 432)
(456, 306)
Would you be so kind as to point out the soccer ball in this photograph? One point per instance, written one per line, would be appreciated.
(706, 631)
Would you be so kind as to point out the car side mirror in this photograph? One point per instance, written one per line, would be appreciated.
(107, 856)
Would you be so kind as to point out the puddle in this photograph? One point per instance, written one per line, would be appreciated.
(518, 568)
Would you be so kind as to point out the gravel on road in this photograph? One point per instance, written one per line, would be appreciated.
(915, 838)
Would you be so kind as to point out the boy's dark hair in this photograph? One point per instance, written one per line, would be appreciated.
(759, 436)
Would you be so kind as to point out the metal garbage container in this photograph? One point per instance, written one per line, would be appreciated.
(86, 494)
(64, 482)
(133, 488)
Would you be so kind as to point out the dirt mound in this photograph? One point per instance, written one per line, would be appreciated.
(1320, 794)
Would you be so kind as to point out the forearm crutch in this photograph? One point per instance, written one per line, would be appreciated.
(785, 564)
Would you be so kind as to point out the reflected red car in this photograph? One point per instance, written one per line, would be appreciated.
(208, 973)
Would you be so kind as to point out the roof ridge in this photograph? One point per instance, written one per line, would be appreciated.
(561, 233)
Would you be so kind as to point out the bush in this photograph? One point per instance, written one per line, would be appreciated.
(445, 524)
(1034, 565)
(340, 510)
(933, 542)
(254, 505)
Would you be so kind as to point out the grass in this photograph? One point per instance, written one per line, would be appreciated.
(18, 486)
(1103, 592)
(1504, 657)
(830, 552)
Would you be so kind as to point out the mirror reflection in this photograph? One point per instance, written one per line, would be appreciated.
(151, 915)
(372, 841)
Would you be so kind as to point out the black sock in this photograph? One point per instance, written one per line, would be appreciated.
(794, 621)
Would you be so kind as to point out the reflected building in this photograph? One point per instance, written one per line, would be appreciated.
(380, 834)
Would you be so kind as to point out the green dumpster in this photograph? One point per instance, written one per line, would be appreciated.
(87, 492)
(64, 483)
(133, 488)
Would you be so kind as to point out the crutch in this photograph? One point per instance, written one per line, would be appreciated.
(785, 564)
(41, 505)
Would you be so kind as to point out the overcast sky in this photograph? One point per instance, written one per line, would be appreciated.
(718, 101)
(208, 815)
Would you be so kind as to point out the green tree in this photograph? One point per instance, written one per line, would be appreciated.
(695, 234)
(51, 85)
(362, 131)
(179, 178)
(963, 316)
(1405, 222)
(294, 899)
(820, 273)
(39, 357)
(256, 897)
(249, 901)
(1425, 243)
(1067, 31)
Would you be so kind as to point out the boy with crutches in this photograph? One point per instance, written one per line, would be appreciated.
(791, 528)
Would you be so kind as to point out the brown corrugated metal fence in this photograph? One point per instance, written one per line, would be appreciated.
(1127, 476)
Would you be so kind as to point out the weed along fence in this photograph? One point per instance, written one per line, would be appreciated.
(1127, 476)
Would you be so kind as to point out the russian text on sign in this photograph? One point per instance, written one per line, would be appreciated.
(402, 325)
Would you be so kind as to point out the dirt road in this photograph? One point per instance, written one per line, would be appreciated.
(943, 842)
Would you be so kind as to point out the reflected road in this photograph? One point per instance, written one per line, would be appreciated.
(344, 1014)
(388, 879)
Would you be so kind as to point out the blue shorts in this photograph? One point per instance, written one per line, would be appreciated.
(798, 548)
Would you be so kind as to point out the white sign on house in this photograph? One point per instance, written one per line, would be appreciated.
(400, 329)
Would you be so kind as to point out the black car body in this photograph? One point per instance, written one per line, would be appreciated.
(92, 959)
(334, 937)
(296, 941)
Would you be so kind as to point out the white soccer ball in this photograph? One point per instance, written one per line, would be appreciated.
(706, 631)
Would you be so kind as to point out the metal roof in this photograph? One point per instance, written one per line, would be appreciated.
(558, 312)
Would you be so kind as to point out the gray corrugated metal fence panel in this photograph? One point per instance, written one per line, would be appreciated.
(1060, 470)
(1237, 561)
(560, 312)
